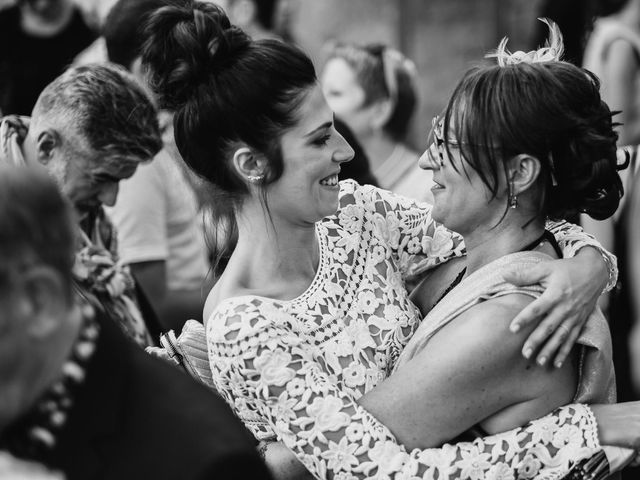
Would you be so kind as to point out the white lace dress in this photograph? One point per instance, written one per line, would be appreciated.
(293, 370)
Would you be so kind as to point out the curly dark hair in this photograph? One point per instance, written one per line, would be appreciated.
(551, 111)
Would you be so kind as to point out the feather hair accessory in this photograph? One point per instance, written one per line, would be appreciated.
(552, 50)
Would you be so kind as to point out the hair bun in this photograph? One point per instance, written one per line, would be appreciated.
(604, 190)
(185, 45)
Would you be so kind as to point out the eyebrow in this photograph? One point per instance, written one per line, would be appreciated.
(321, 127)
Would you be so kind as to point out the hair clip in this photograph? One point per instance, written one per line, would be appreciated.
(551, 52)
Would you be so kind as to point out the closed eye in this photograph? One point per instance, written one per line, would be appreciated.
(322, 141)
(101, 178)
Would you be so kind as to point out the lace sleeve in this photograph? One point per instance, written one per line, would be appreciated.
(264, 366)
(572, 238)
(408, 228)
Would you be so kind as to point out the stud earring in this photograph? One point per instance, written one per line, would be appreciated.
(255, 178)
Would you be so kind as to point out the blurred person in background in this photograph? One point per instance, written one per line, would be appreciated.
(258, 18)
(77, 395)
(613, 54)
(633, 238)
(39, 39)
(95, 12)
(372, 89)
(91, 127)
(156, 215)
(574, 17)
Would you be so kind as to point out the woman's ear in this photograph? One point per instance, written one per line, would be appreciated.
(249, 164)
(524, 171)
(381, 112)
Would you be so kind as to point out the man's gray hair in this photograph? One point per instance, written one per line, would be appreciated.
(106, 106)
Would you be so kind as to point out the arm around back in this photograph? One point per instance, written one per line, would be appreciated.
(470, 373)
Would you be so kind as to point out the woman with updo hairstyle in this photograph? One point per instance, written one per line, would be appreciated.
(311, 312)
(520, 141)
(372, 88)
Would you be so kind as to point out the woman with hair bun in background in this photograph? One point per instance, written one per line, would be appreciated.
(311, 311)
(372, 89)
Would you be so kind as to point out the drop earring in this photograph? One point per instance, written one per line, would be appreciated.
(513, 198)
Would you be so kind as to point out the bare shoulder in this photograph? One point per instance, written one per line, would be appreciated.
(489, 320)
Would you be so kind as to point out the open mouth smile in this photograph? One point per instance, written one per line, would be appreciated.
(330, 181)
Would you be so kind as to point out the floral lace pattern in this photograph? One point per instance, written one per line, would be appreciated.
(294, 370)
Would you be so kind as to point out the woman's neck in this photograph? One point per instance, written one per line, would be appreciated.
(378, 149)
(485, 245)
(278, 259)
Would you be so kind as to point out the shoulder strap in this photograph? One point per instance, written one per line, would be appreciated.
(483, 284)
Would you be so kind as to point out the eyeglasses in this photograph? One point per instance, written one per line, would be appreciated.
(438, 139)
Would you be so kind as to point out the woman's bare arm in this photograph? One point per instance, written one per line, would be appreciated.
(471, 372)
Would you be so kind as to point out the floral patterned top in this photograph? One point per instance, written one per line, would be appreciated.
(293, 370)
(103, 281)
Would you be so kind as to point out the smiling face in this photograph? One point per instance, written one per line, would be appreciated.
(462, 202)
(345, 96)
(312, 152)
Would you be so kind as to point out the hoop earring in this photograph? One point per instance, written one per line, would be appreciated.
(255, 178)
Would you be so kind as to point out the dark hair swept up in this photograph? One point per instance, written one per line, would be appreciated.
(224, 87)
(550, 110)
(225, 90)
